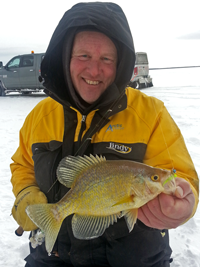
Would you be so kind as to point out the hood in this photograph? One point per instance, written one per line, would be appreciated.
(107, 18)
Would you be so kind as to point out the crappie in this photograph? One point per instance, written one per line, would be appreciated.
(101, 192)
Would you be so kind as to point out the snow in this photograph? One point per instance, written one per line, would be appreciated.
(183, 103)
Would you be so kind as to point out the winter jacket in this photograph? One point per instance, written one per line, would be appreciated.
(143, 132)
(122, 124)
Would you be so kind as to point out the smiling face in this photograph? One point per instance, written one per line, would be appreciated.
(93, 64)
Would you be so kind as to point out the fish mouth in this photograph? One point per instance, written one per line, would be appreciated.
(169, 184)
(169, 179)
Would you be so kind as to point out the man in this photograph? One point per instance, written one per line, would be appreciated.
(86, 68)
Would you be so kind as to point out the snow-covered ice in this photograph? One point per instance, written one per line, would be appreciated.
(183, 103)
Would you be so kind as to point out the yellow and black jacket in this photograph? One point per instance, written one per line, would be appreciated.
(123, 123)
(143, 132)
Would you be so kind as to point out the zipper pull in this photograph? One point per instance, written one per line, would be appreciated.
(83, 118)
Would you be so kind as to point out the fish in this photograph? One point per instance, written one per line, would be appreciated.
(101, 192)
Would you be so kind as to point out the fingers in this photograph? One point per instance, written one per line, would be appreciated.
(168, 211)
(183, 188)
(184, 192)
(155, 214)
(179, 192)
(146, 215)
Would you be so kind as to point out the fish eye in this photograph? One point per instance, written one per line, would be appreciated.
(155, 178)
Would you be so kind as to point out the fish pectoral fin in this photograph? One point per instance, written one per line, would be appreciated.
(127, 199)
(70, 167)
(130, 218)
(89, 227)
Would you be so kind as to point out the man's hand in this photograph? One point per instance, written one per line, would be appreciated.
(169, 211)
(29, 196)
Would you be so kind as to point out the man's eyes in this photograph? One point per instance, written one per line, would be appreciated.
(104, 59)
(83, 56)
(108, 60)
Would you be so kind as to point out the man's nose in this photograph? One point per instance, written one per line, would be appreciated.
(94, 68)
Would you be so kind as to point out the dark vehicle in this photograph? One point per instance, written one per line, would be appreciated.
(140, 78)
(21, 74)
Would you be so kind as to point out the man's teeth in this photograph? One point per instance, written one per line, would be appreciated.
(92, 82)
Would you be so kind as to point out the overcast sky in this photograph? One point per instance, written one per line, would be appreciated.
(169, 31)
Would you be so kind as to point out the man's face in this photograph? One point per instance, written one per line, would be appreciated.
(93, 64)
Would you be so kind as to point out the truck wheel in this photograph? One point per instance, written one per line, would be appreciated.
(2, 92)
(137, 86)
(150, 84)
(132, 84)
(142, 85)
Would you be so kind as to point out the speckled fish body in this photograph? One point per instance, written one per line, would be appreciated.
(101, 192)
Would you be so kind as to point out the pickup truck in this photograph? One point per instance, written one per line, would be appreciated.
(21, 74)
(140, 77)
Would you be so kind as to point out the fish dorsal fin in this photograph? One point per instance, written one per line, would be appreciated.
(89, 227)
(130, 217)
(70, 167)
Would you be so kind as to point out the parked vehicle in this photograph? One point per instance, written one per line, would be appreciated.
(21, 74)
(140, 78)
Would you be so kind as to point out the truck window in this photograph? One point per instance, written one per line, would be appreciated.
(141, 59)
(14, 63)
(27, 61)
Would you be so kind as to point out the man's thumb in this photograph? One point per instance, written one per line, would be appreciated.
(179, 192)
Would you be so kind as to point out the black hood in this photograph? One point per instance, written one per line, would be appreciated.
(107, 18)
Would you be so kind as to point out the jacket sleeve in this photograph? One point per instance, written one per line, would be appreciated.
(22, 168)
(166, 149)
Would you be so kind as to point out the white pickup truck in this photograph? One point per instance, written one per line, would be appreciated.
(140, 78)
(21, 74)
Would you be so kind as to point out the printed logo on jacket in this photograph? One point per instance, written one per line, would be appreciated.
(119, 148)
(114, 127)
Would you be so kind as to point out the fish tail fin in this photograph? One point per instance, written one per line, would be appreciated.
(48, 219)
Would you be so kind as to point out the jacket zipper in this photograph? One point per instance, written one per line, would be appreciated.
(83, 127)
(83, 118)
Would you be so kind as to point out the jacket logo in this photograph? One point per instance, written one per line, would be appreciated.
(120, 148)
(114, 127)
